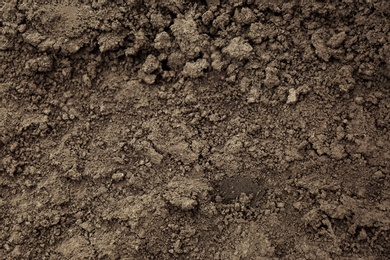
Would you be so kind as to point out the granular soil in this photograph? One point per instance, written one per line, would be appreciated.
(214, 129)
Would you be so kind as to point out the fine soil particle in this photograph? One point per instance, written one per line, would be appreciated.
(179, 129)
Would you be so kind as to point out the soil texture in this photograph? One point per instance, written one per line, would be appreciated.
(214, 129)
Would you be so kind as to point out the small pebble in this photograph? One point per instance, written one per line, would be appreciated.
(118, 176)
(298, 205)
(362, 235)
(378, 175)
(292, 96)
(359, 100)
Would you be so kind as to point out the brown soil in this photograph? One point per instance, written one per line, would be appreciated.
(179, 129)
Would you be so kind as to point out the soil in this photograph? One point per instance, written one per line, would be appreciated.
(214, 129)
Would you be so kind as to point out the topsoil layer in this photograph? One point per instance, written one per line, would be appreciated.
(179, 129)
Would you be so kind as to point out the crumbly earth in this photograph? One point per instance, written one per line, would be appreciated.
(214, 129)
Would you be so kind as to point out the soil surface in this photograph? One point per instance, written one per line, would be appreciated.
(244, 129)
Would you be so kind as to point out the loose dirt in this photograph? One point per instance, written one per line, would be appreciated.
(179, 129)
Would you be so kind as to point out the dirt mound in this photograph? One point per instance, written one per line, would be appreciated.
(180, 129)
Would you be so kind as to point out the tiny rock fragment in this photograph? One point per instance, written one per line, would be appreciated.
(217, 63)
(378, 175)
(298, 205)
(70, 47)
(292, 97)
(304, 89)
(362, 235)
(359, 100)
(254, 95)
(118, 176)
(186, 203)
(177, 247)
(147, 78)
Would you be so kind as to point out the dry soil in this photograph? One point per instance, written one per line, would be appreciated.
(243, 129)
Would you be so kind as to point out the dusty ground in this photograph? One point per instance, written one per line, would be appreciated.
(194, 129)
